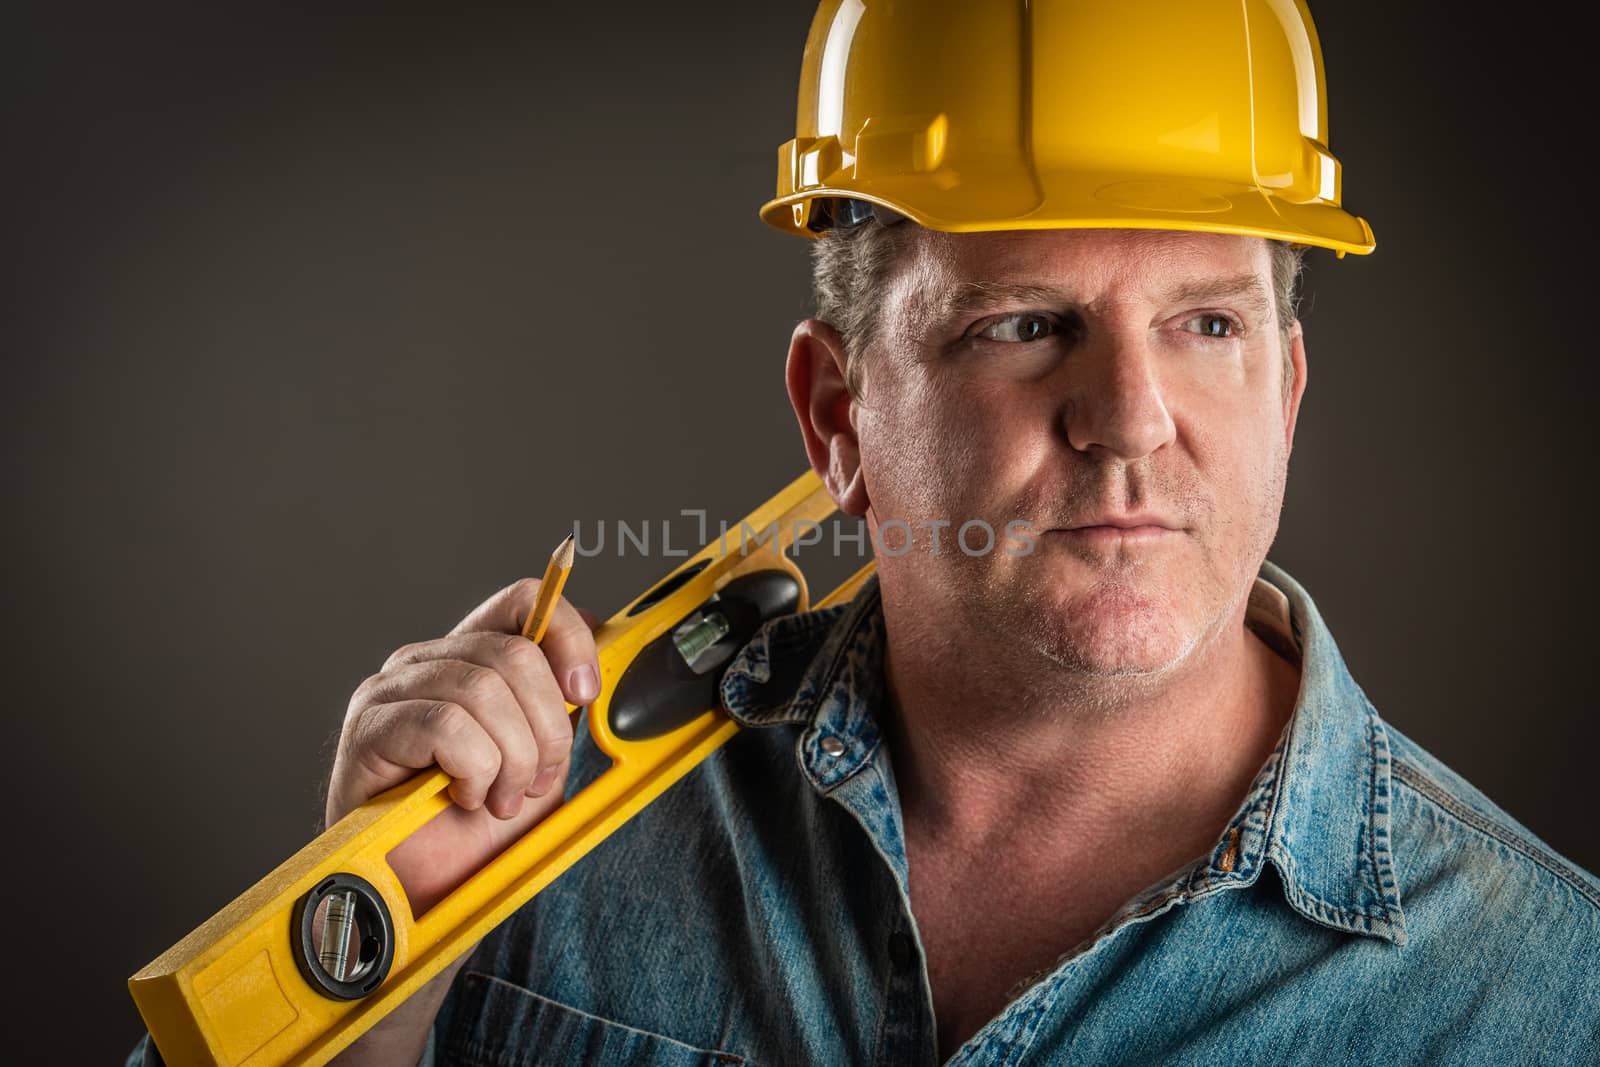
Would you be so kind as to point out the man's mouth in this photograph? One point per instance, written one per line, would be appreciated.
(1109, 529)
(1130, 521)
(1111, 535)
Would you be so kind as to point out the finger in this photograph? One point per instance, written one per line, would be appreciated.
(568, 641)
(489, 699)
(523, 666)
(507, 610)
(385, 744)
(569, 648)
(548, 719)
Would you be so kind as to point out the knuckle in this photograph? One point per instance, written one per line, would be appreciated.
(578, 640)
(451, 727)
(523, 589)
(569, 642)
(511, 646)
(481, 683)
(445, 721)
(520, 766)
(478, 768)
(485, 764)
(482, 762)
(403, 655)
(365, 693)
(554, 748)
(522, 656)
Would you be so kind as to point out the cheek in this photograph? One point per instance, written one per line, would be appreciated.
(1243, 462)
(1230, 455)
(1015, 431)
(931, 451)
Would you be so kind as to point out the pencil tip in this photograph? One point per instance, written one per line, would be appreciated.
(563, 553)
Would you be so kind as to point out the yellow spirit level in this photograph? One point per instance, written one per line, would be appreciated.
(326, 945)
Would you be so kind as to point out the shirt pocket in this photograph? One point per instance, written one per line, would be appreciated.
(499, 1024)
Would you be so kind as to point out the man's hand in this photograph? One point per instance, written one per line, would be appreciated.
(489, 707)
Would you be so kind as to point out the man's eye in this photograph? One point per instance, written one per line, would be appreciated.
(1024, 326)
(1220, 326)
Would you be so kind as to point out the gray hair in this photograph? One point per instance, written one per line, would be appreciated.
(850, 267)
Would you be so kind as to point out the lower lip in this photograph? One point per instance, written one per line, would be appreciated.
(1114, 535)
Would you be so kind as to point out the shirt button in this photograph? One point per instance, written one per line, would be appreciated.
(900, 951)
(832, 746)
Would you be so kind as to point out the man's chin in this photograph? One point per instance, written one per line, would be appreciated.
(1114, 630)
(1108, 656)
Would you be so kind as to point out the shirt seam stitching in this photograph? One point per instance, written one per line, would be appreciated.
(1430, 790)
(1324, 904)
(1019, 1045)
(1277, 850)
(587, 1015)
(1378, 854)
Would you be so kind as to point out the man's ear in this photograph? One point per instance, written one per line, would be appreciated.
(815, 375)
(1291, 403)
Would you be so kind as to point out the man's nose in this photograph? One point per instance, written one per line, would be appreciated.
(1113, 399)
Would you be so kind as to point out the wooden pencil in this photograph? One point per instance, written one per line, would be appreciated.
(555, 576)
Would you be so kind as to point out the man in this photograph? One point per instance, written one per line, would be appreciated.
(1114, 799)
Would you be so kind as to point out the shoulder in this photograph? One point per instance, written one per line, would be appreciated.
(1439, 814)
(1502, 932)
(1496, 917)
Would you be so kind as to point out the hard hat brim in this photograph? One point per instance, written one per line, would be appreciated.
(1082, 202)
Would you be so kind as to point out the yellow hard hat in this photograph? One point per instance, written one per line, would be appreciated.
(967, 115)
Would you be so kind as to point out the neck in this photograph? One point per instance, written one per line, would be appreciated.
(1011, 754)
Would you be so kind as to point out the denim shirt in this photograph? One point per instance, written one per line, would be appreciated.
(1365, 905)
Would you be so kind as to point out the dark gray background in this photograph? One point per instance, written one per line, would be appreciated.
(322, 328)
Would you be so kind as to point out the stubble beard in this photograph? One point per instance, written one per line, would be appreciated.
(1126, 622)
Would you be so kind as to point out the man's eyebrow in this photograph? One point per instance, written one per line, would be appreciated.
(1245, 290)
(967, 298)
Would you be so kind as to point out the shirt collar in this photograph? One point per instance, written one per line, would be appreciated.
(822, 669)
(1318, 810)
(1328, 829)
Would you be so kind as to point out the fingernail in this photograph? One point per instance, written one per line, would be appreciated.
(583, 682)
(544, 780)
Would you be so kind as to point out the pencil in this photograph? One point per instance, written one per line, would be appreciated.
(555, 576)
